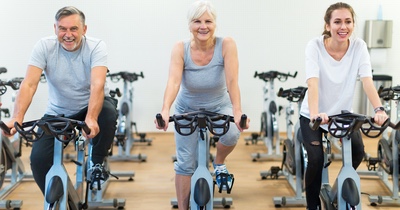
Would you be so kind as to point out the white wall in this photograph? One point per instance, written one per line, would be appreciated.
(271, 35)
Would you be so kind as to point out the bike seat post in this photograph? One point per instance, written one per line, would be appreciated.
(58, 170)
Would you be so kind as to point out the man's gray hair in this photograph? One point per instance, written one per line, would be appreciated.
(69, 10)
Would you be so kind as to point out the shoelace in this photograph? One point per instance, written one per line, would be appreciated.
(220, 169)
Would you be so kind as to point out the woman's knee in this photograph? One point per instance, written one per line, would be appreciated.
(230, 138)
(315, 153)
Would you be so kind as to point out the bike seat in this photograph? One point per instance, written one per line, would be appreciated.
(350, 192)
(55, 190)
(272, 107)
(124, 109)
(201, 192)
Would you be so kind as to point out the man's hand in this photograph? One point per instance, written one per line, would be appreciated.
(93, 126)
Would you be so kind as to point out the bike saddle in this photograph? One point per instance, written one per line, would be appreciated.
(272, 107)
(350, 192)
(201, 192)
(124, 109)
(55, 190)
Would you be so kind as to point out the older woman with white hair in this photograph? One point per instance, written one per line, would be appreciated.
(203, 73)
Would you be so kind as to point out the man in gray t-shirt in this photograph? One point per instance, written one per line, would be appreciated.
(75, 67)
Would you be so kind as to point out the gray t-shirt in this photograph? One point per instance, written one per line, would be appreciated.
(68, 73)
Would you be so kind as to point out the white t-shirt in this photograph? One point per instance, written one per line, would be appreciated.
(337, 79)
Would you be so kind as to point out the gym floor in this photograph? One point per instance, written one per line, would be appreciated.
(153, 184)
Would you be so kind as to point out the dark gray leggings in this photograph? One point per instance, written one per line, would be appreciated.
(42, 150)
(312, 141)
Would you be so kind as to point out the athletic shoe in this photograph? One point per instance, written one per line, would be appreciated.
(222, 177)
(98, 176)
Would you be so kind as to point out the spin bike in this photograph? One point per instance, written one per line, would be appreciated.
(388, 155)
(269, 131)
(124, 135)
(294, 160)
(10, 160)
(60, 192)
(202, 184)
(345, 193)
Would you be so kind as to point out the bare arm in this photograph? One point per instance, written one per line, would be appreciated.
(97, 82)
(229, 52)
(24, 96)
(174, 81)
(373, 97)
(313, 98)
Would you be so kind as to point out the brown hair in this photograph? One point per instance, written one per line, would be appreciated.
(328, 14)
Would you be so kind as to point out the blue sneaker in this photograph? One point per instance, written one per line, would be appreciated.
(222, 177)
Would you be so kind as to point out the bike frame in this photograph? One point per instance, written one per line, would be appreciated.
(388, 146)
(9, 155)
(202, 183)
(295, 180)
(60, 193)
(269, 117)
(345, 192)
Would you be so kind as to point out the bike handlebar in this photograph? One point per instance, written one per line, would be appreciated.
(345, 123)
(271, 75)
(64, 129)
(115, 92)
(3, 70)
(293, 94)
(14, 84)
(126, 76)
(201, 119)
(389, 93)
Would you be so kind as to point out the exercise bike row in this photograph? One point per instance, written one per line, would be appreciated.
(385, 167)
(61, 193)
(153, 186)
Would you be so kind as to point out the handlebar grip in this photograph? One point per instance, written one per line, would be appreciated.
(255, 74)
(86, 129)
(118, 92)
(295, 74)
(4, 127)
(314, 124)
(3, 70)
(160, 120)
(243, 121)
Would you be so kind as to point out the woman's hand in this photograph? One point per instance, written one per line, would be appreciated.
(324, 117)
(380, 117)
(238, 117)
(165, 117)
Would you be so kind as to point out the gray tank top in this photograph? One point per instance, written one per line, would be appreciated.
(203, 86)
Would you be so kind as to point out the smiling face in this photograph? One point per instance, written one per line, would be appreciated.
(203, 28)
(341, 24)
(70, 30)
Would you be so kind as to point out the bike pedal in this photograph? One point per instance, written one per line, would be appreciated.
(224, 183)
(274, 172)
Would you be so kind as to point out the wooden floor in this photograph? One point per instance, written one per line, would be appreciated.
(153, 184)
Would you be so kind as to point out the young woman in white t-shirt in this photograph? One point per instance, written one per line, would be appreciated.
(333, 63)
